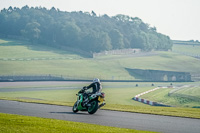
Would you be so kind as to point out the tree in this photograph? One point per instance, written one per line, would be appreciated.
(96, 42)
(94, 14)
(144, 27)
(81, 30)
(10, 9)
(70, 33)
(104, 42)
(32, 31)
(116, 39)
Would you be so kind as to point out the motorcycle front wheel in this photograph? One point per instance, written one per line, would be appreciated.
(93, 108)
(75, 107)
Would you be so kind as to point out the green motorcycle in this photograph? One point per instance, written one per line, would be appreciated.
(88, 102)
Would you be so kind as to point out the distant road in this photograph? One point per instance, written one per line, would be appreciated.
(137, 121)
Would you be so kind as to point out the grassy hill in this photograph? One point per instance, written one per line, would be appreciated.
(187, 49)
(23, 58)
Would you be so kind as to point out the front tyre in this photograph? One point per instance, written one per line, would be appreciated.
(75, 107)
(94, 107)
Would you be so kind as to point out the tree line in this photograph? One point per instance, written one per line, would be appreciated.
(81, 30)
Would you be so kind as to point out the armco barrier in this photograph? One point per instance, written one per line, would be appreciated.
(145, 101)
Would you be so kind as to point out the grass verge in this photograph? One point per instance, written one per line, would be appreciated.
(185, 97)
(166, 111)
(27, 124)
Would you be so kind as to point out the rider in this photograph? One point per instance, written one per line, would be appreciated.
(96, 87)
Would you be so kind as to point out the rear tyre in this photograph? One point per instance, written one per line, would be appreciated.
(93, 108)
(75, 107)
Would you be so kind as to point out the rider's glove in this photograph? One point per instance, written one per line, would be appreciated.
(84, 88)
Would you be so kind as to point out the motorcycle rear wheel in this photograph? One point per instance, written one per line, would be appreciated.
(94, 107)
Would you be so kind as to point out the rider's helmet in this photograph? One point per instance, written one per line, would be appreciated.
(96, 80)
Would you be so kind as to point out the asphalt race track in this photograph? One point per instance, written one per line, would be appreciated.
(137, 121)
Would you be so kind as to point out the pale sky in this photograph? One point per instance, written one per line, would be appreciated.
(179, 19)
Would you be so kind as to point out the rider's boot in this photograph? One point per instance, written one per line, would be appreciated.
(102, 105)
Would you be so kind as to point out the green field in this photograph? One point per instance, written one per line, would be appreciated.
(183, 97)
(22, 49)
(26, 124)
(188, 49)
(22, 58)
(190, 91)
(124, 92)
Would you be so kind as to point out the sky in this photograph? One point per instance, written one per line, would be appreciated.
(178, 19)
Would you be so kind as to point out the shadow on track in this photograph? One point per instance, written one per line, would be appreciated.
(79, 113)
